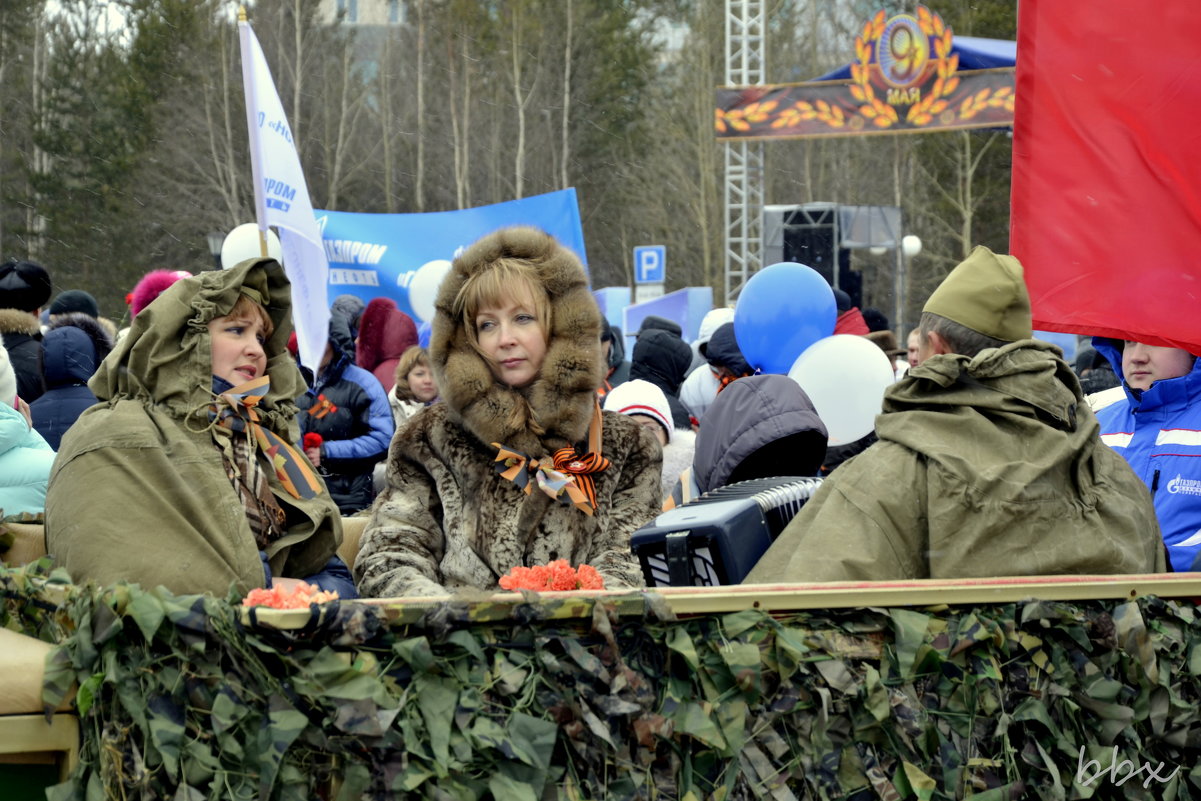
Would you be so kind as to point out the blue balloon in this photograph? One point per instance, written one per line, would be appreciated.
(782, 310)
(423, 335)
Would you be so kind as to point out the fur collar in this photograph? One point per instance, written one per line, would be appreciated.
(561, 401)
(15, 321)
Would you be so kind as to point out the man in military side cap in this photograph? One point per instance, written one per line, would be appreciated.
(988, 462)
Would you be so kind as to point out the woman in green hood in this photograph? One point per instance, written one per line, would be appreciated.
(185, 473)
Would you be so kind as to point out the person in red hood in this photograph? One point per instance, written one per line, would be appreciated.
(850, 319)
(385, 332)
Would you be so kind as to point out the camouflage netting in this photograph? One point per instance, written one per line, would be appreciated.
(180, 700)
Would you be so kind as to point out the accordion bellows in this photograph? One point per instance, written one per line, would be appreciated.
(718, 538)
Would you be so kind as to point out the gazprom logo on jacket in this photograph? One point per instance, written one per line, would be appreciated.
(1186, 486)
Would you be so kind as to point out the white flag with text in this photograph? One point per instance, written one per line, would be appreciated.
(281, 199)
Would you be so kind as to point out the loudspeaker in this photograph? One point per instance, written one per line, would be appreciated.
(806, 234)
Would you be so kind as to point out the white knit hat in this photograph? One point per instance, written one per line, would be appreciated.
(8, 379)
(640, 397)
(713, 320)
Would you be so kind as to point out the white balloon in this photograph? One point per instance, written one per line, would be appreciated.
(242, 243)
(911, 246)
(423, 288)
(845, 376)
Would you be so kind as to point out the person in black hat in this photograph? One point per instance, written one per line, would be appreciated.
(1095, 372)
(74, 300)
(662, 358)
(654, 322)
(24, 289)
(618, 366)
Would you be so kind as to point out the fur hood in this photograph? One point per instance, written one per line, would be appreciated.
(561, 400)
(15, 321)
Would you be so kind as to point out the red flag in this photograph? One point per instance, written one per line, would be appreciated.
(1106, 202)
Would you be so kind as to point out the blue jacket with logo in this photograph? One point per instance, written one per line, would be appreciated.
(1158, 432)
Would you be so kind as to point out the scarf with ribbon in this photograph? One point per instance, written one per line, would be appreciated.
(235, 410)
(567, 477)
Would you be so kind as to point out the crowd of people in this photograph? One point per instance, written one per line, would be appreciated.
(191, 449)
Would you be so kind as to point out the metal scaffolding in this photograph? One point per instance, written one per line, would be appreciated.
(745, 66)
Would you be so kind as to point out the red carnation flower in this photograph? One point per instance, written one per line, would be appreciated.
(558, 576)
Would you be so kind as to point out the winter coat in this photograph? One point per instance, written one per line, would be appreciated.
(385, 332)
(448, 521)
(73, 350)
(986, 466)
(754, 413)
(1158, 432)
(662, 358)
(347, 407)
(677, 459)
(851, 322)
(349, 309)
(23, 340)
(139, 491)
(25, 461)
(402, 410)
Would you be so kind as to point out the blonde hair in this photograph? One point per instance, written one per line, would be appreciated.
(413, 357)
(503, 279)
(247, 309)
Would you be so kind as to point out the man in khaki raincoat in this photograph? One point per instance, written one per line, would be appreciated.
(989, 462)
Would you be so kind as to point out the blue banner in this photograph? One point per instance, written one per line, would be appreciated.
(404, 256)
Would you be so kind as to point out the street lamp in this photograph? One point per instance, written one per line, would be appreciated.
(910, 247)
(215, 240)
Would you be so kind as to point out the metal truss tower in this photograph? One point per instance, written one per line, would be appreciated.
(745, 66)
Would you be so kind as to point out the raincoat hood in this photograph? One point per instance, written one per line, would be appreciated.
(723, 351)
(166, 358)
(385, 333)
(1023, 379)
(990, 465)
(662, 358)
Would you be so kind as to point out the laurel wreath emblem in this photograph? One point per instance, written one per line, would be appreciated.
(935, 102)
(946, 82)
(880, 113)
(872, 108)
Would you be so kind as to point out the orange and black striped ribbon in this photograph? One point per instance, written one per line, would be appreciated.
(566, 460)
(235, 410)
(321, 408)
(569, 480)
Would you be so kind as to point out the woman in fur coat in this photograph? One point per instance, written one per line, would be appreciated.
(519, 466)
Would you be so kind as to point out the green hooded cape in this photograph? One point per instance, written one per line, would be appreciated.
(139, 492)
